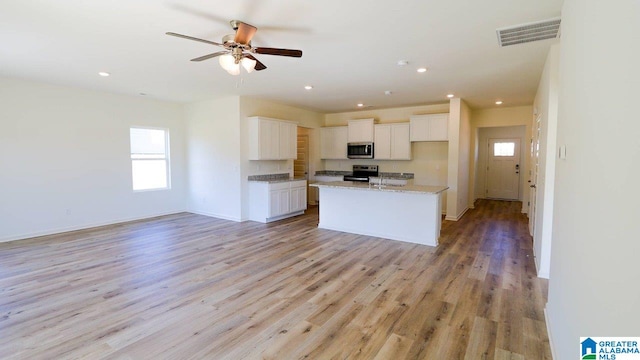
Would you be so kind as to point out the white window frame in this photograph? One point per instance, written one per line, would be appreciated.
(166, 158)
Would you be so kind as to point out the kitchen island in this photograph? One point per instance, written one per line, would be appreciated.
(410, 213)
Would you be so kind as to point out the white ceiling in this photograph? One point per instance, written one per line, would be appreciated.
(350, 47)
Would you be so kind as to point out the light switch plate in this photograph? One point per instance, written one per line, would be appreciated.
(562, 152)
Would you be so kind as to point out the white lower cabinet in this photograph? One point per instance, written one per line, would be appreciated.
(275, 201)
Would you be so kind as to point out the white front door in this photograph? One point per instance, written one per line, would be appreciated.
(503, 170)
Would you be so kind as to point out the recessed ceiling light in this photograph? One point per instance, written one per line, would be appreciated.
(450, 96)
(360, 104)
(498, 102)
(388, 92)
(402, 62)
(308, 87)
(422, 70)
(103, 73)
(143, 94)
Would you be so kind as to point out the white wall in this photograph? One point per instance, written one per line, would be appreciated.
(593, 286)
(498, 117)
(501, 132)
(429, 161)
(458, 167)
(305, 118)
(464, 159)
(65, 158)
(213, 142)
(546, 103)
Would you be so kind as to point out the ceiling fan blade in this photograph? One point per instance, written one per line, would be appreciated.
(244, 33)
(279, 52)
(259, 65)
(206, 57)
(193, 38)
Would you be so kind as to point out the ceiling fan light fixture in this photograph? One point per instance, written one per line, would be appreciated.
(229, 64)
(248, 64)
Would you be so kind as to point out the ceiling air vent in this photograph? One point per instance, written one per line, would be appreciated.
(542, 30)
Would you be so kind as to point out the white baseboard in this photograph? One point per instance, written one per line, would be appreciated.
(458, 217)
(84, 226)
(217, 216)
(546, 320)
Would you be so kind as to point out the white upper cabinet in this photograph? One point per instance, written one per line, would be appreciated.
(272, 139)
(392, 142)
(431, 127)
(400, 142)
(360, 130)
(288, 140)
(382, 142)
(333, 142)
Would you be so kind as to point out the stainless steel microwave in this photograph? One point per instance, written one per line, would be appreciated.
(360, 150)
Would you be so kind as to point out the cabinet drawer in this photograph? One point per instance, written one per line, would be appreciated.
(298, 183)
(279, 186)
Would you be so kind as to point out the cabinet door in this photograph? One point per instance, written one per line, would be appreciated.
(419, 125)
(360, 130)
(274, 203)
(340, 135)
(279, 202)
(285, 201)
(382, 142)
(400, 142)
(439, 127)
(298, 199)
(287, 141)
(326, 143)
(333, 142)
(269, 139)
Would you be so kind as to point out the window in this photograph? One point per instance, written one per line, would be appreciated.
(150, 158)
(504, 149)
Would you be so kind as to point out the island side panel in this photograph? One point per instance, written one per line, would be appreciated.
(404, 216)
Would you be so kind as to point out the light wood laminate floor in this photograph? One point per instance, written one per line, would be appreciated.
(187, 286)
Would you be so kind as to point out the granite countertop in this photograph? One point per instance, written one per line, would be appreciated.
(273, 178)
(396, 175)
(353, 185)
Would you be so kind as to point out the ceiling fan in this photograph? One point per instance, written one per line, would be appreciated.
(238, 49)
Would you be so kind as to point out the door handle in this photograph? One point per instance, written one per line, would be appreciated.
(532, 186)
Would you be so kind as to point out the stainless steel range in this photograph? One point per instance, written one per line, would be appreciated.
(362, 173)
